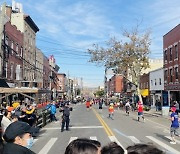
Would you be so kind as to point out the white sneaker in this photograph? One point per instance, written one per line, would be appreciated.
(173, 142)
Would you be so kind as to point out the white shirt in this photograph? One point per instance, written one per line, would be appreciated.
(5, 123)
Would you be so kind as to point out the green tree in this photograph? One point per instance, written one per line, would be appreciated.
(99, 93)
(127, 57)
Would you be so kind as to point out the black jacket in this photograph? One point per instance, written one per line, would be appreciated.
(11, 148)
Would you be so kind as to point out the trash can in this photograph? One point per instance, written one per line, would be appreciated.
(165, 111)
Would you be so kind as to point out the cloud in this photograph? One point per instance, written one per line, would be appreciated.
(80, 18)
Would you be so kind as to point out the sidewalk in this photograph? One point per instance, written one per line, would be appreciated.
(155, 113)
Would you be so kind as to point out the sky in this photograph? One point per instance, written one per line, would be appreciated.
(69, 27)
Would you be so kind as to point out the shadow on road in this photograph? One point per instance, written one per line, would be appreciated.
(162, 137)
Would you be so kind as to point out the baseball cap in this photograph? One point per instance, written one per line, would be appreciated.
(17, 128)
(173, 109)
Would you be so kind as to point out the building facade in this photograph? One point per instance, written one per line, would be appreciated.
(115, 85)
(144, 88)
(13, 53)
(39, 68)
(46, 73)
(171, 48)
(156, 86)
(61, 85)
(26, 25)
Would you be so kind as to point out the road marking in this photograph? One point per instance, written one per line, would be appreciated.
(78, 127)
(165, 146)
(72, 139)
(108, 130)
(134, 139)
(48, 146)
(169, 137)
(114, 139)
(120, 133)
(93, 138)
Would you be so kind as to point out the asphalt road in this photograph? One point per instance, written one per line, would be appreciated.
(125, 130)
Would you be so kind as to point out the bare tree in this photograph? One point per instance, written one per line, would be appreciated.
(129, 56)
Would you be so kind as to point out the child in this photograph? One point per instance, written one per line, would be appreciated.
(175, 125)
(111, 111)
(140, 111)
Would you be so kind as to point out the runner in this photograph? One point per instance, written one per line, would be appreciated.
(111, 111)
(88, 105)
(140, 111)
(175, 125)
(127, 106)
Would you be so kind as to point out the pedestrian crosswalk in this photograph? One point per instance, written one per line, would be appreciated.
(165, 145)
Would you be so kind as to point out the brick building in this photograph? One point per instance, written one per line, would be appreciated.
(13, 48)
(61, 84)
(171, 48)
(144, 88)
(115, 84)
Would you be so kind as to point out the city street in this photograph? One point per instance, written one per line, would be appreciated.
(125, 130)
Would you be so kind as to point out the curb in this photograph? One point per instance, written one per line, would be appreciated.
(157, 115)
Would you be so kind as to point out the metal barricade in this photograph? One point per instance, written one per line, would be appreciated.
(43, 118)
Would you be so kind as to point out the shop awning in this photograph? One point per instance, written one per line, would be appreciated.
(144, 92)
(18, 90)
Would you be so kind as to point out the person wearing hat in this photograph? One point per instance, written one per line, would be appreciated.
(18, 138)
(65, 116)
(174, 125)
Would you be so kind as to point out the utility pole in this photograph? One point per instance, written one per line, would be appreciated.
(2, 22)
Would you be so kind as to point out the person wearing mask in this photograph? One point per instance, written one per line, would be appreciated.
(65, 116)
(52, 108)
(18, 138)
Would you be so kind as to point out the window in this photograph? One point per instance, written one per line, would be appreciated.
(165, 74)
(176, 72)
(12, 71)
(155, 82)
(176, 51)
(21, 52)
(165, 55)
(170, 52)
(6, 40)
(160, 81)
(171, 75)
(6, 69)
(151, 82)
(17, 48)
(12, 47)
